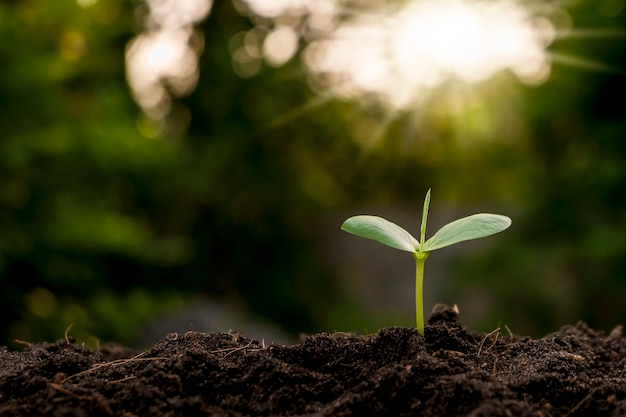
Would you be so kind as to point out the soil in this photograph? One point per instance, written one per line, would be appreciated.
(450, 372)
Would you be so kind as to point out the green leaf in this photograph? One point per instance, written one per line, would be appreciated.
(467, 228)
(382, 231)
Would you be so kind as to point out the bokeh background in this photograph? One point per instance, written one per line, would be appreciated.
(173, 165)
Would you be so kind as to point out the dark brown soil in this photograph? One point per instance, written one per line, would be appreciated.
(395, 372)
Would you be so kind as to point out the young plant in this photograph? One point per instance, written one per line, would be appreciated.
(390, 234)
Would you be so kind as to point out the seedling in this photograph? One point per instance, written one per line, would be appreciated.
(390, 234)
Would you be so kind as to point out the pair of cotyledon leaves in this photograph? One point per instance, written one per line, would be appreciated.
(390, 234)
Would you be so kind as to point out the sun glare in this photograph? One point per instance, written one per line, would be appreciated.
(450, 37)
(395, 52)
(400, 55)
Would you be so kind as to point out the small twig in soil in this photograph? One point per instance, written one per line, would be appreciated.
(114, 363)
(124, 379)
(68, 392)
(580, 403)
(511, 337)
(100, 401)
(494, 371)
(67, 331)
(234, 349)
(448, 352)
(482, 342)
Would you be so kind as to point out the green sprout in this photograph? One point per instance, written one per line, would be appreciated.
(390, 234)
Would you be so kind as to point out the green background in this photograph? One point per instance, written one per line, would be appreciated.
(108, 227)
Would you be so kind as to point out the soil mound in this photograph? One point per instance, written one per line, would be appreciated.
(395, 372)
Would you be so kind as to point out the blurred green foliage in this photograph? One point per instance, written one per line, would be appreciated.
(105, 226)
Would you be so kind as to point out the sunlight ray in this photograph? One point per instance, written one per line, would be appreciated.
(596, 33)
(286, 117)
(585, 63)
(381, 129)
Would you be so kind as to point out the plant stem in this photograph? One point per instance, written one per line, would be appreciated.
(420, 260)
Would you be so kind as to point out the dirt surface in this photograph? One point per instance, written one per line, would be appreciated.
(395, 372)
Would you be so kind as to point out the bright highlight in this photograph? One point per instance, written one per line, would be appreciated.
(396, 57)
